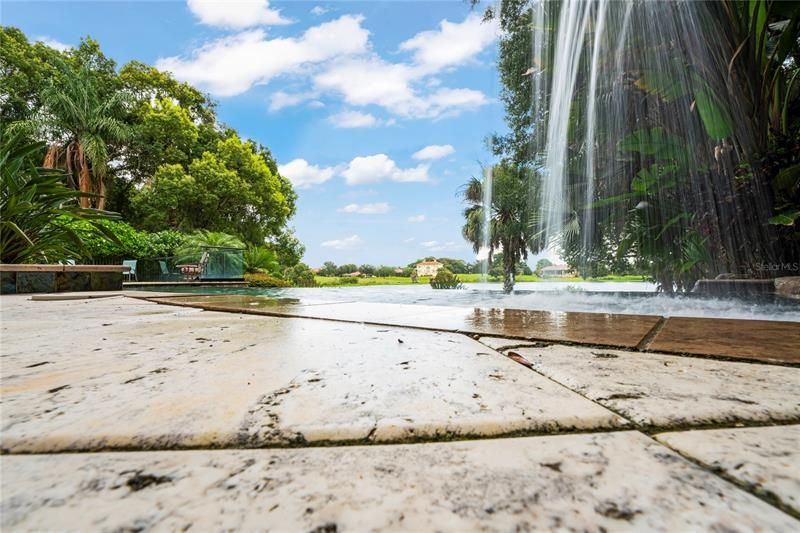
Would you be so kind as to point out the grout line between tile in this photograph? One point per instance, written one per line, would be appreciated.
(644, 344)
(768, 497)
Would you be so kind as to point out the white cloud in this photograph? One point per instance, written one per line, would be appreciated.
(335, 57)
(53, 43)
(416, 219)
(231, 65)
(315, 104)
(410, 239)
(378, 167)
(366, 209)
(436, 246)
(353, 119)
(369, 80)
(318, 10)
(434, 151)
(281, 99)
(236, 14)
(452, 44)
(303, 175)
(346, 243)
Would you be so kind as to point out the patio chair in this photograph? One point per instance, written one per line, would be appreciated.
(131, 275)
(201, 266)
(165, 274)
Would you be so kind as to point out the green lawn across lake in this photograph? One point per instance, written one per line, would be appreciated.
(333, 281)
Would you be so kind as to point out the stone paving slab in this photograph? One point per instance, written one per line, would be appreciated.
(558, 326)
(765, 459)
(672, 391)
(586, 482)
(763, 340)
(119, 373)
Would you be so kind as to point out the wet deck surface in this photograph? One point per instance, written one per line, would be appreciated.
(769, 341)
(373, 416)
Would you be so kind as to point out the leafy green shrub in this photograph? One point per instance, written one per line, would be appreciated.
(261, 259)
(164, 243)
(350, 280)
(131, 243)
(265, 281)
(444, 279)
(192, 247)
(300, 275)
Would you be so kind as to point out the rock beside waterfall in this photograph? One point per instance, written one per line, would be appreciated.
(788, 287)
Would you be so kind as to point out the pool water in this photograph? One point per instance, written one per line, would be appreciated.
(608, 297)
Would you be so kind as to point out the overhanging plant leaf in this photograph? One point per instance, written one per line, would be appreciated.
(788, 179)
(661, 84)
(656, 142)
(785, 219)
(716, 121)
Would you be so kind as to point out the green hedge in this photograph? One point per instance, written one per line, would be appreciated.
(133, 244)
(265, 281)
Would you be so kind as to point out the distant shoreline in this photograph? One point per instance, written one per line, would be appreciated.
(337, 281)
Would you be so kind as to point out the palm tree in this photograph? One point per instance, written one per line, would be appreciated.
(261, 259)
(510, 227)
(193, 244)
(81, 123)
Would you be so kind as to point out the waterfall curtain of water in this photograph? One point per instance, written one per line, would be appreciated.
(644, 138)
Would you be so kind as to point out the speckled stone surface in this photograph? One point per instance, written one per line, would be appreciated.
(35, 282)
(123, 373)
(765, 459)
(597, 482)
(667, 391)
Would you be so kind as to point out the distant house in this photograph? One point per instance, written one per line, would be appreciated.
(355, 274)
(428, 268)
(558, 271)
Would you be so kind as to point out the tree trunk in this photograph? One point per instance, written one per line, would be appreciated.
(508, 272)
(84, 184)
(84, 176)
(101, 201)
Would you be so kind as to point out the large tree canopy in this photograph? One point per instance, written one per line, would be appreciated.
(175, 167)
(230, 189)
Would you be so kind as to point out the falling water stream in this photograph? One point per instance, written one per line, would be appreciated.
(641, 137)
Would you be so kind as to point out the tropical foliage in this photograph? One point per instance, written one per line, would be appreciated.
(697, 147)
(260, 259)
(80, 123)
(300, 275)
(129, 243)
(265, 281)
(38, 209)
(444, 279)
(194, 244)
(138, 142)
(505, 224)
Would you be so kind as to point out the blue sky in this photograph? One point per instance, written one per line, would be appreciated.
(377, 111)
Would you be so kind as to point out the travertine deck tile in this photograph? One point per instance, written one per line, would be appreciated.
(123, 373)
(588, 328)
(766, 459)
(569, 483)
(762, 340)
(666, 390)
